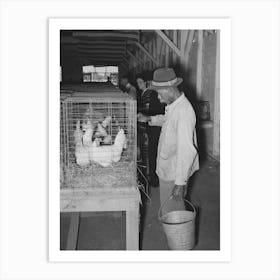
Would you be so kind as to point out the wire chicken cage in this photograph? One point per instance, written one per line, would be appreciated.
(63, 95)
(98, 139)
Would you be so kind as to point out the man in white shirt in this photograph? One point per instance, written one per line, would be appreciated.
(177, 157)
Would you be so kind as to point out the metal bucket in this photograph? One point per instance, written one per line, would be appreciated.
(179, 227)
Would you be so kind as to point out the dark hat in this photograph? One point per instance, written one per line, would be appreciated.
(165, 77)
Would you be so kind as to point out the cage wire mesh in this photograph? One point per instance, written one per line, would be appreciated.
(98, 139)
(63, 95)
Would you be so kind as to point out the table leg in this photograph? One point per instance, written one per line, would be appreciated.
(132, 229)
(73, 231)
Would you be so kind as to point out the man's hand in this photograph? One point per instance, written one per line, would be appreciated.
(142, 118)
(179, 192)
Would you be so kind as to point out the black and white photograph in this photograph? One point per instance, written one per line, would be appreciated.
(140, 139)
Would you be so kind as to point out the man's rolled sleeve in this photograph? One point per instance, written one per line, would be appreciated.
(157, 120)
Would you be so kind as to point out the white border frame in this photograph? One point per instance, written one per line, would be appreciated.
(224, 254)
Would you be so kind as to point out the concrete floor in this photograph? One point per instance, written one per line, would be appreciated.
(106, 231)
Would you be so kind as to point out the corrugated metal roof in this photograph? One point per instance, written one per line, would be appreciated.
(98, 45)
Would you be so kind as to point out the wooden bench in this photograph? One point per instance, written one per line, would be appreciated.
(95, 200)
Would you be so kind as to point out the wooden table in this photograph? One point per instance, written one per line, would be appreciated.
(94, 200)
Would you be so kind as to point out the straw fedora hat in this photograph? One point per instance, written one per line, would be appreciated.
(165, 77)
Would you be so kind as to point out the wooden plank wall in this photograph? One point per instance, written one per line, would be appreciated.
(194, 54)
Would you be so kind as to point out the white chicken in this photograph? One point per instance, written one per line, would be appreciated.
(87, 137)
(81, 152)
(106, 155)
(106, 121)
(101, 132)
(94, 115)
(107, 139)
(120, 143)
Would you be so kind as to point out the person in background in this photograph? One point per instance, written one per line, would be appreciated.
(177, 157)
(149, 105)
(128, 87)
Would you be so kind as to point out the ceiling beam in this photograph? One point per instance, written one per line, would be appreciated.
(168, 42)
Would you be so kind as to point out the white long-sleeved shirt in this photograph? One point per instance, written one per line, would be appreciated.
(177, 157)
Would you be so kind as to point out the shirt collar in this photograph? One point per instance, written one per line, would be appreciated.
(171, 106)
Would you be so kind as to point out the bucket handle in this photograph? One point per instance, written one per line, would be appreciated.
(169, 198)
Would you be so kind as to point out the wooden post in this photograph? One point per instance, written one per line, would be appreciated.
(189, 46)
(199, 65)
(186, 47)
(150, 49)
(146, 57)
(161, 62)
(73, 231)
(170, 61)
(137, 55)
(167, 53)
(89, 200)
(183, 42)
(142, 57)
(216, 121)
(132, 230)
(159, 40)
(175, 41)
(155, 52)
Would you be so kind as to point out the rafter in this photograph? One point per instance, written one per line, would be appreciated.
(134, 57)
(126, 60)
(142, 48)
(124, 66)
(169, 42)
